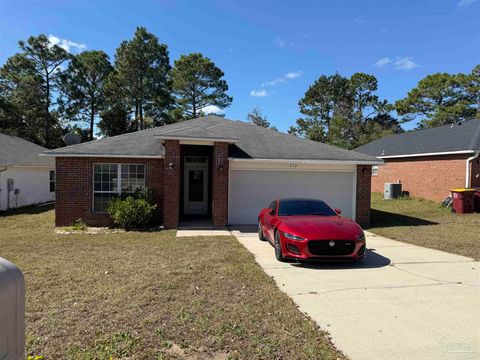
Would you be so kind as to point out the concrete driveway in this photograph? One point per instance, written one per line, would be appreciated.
(403, 302)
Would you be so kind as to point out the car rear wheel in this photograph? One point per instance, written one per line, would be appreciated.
(260, 231)
(278, 247)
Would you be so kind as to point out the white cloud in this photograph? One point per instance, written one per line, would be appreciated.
(258, 93)
(233, 50)
(405, 63)
(279, 42)
(465, 3)
(66, 44)
(383, 61)
(212, 109)
(281, 79)
(400, 63)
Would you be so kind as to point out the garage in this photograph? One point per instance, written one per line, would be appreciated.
(250, 190)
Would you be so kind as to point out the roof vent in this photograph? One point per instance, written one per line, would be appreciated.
(72, 139)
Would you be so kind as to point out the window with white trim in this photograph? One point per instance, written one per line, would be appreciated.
(375, 170)
(113, 180)
(52, 180)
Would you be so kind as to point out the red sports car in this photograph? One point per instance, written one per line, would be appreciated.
(307, 229)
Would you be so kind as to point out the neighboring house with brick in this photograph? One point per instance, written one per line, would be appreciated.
(25, 177)
(428, 162)
(210, 168)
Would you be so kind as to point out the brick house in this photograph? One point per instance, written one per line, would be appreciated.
(218, 170)
(428, 162)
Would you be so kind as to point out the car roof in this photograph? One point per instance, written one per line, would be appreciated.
(299, 199)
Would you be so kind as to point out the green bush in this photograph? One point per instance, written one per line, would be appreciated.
(133, 211)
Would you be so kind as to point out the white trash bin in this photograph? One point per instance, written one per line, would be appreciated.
(12, 312)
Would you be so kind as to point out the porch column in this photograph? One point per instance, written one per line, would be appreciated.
(220, 184)
(364, 188)
(172, 184)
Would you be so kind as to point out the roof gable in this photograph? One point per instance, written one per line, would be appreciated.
(17, 151)
(464, 136)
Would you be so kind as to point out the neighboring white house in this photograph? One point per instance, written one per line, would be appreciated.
(25, 177)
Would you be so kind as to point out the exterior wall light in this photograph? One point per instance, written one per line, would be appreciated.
(171, 166)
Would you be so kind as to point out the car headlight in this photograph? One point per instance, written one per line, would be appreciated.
(361, 237)
(292, 237)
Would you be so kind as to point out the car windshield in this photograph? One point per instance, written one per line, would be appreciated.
(292, 207)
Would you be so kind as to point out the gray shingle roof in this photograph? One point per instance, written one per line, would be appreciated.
(447, 138)
(17, 151)
(254, 142)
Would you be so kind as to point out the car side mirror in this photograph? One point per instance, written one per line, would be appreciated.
(338, 211)
(271, 212)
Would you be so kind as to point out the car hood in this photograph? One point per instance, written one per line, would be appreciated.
(320, 227)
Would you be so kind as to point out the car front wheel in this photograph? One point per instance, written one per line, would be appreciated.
(278, 247)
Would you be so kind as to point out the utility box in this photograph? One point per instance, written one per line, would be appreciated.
(12, 312)
(392, 191)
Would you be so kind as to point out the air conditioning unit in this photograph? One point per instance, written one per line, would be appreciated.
(392, 190)
(12, 312)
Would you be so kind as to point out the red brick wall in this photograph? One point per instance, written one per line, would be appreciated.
(220, 185)
(362, 213)
(172, 184)
(429, 177)
(74, 191)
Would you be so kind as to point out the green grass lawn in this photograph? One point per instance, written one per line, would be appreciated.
(426, 223)
(148, 295)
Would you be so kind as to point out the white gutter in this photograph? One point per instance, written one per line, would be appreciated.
(467, 169)
(187, 138)
(300, 161)
(427, 154)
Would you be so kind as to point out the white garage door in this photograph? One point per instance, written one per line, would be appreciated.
(252, 190)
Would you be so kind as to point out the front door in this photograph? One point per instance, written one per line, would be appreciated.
(195, 185)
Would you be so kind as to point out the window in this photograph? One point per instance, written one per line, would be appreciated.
(52, 181)
(111, 180)
(374, 170)
(302, 207)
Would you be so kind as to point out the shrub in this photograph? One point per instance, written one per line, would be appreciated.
(133, 211)
(79, 224)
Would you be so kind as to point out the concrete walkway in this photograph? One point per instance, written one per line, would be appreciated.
(403, 302)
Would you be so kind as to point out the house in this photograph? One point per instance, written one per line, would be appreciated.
(220, 170)
(25, 177)
(428, 162)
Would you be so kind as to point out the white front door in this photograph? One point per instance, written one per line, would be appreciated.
(195, 191)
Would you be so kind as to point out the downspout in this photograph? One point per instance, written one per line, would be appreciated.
(1, 170)
(467, 168)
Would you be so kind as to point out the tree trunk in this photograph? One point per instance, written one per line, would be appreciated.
(140, 111)
(47, 112)
(136, 113)
(92, 117)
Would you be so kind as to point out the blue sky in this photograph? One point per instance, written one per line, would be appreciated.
(271, 51)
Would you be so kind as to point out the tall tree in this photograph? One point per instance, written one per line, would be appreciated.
(256, 117)
(342, 111)
(31, 78)
(142, 76)
(116, 121)
(198, 83)
(442, 98)
(328, 97)
(83, 87)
